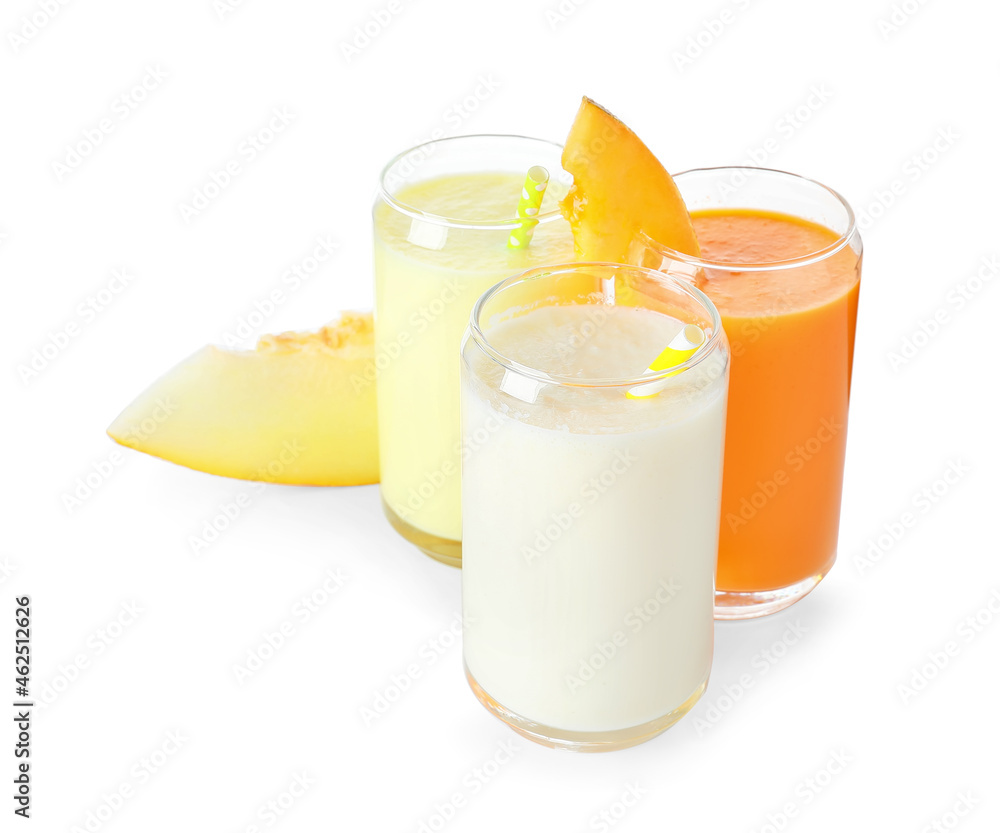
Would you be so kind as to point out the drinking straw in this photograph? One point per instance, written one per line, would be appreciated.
(679, 350)
(535, 184)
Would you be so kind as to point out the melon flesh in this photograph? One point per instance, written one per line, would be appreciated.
(619, 190)
(298, 409)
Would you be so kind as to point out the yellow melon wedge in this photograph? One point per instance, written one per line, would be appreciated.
(619, 190)
(298, 409)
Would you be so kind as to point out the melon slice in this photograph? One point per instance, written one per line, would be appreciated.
(298, 409)
(619, 190)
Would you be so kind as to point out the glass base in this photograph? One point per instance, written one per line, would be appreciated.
(583, 741)
(440, 549)
(730, 604)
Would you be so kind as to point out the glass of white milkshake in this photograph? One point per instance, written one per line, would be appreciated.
(591, 488)
(443, 219)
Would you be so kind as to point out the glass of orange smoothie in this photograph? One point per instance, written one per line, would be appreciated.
(781, 259)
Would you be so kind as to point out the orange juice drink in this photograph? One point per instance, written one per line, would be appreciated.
(781, 259)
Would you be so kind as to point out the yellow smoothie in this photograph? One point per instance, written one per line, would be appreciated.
(429, 272)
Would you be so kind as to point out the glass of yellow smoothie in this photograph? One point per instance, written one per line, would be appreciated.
(443, 220)
(591, 489)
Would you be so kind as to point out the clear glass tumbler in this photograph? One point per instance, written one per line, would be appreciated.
(591, 489)
(442, 221)
(781, 259)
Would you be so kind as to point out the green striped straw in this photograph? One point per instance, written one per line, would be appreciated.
(535, 184)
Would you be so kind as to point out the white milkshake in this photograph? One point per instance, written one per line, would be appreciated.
(590, 524)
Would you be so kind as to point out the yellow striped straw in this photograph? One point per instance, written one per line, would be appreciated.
(532, 193)
(681, 348)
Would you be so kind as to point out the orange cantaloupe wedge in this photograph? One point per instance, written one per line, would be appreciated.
(619, 190)
(299, 409)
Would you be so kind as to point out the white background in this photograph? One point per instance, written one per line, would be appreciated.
(764, 729)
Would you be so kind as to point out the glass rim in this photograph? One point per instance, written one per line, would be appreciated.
(707, 347)
(454, 222)
(819, 255)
